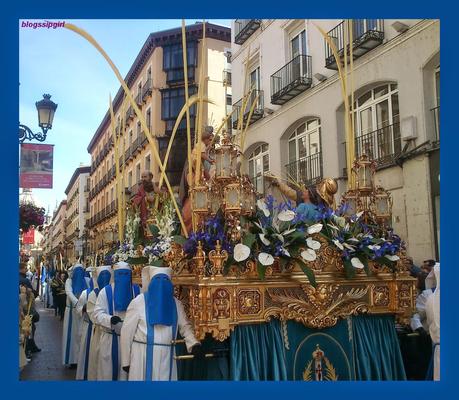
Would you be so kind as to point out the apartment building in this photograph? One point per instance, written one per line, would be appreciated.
(297, 127)
(58, 234)
(77, 212)
(156, 79)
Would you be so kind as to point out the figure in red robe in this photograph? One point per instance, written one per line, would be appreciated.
(145, 194)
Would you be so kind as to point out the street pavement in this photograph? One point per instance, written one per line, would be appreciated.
(47, 364)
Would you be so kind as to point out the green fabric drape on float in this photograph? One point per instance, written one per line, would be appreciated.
(257, 353)
(376, 348)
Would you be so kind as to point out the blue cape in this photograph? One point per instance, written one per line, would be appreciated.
(123, 289)
(78, 281)
(160, 301)
(103, 279)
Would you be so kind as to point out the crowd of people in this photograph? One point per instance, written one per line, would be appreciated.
(420, 342)
(111, 331)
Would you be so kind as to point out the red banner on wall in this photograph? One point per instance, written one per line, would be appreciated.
(36, 166)
(28, 237)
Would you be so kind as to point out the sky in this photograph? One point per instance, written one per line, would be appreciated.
(63, 64)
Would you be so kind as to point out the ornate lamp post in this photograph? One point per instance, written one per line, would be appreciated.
(46, 109)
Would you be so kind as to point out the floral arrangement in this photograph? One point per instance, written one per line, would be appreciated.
(277, 232)
(214, 230)
(30, 216)
(358, 242)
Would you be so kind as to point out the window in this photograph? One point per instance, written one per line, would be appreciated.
(376, 123)
(298, 44)
(172, 101)
(255, 79)
(130, 179)
(258, 165)
(138, 129)
(298, 48)
(148, 118)
(130, 138)
(149, 74)
(173, 60)
(304, 152)
(228, 100)
(137, 173)
(147, 163)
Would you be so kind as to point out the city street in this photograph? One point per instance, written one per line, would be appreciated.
(47, 364)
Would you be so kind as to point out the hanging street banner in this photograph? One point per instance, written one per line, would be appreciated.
(28, 237)
(36, 166)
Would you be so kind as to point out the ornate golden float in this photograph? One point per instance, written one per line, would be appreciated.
(217, 302)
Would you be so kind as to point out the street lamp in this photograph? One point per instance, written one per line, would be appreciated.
(46, 109)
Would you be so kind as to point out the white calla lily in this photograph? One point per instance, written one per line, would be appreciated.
(286, 215)
(340, 221)
(316, 228)
(280, 237)
(374, 247)
(266, 259)
(338, 244)
(359, 214)
(392, 258)
(349, 247)
(263, 207)
(263, 239)
(356, 263)
(313, 244)
(308, 255)
(286, 252)
(241, 252)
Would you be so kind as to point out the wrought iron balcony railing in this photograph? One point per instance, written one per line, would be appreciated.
(436, 118)
(146, 89)
(366, 35)
(129, 114)
(307, 170)
(292, 79)
(244, 28)
(383, 145)
(257, 113)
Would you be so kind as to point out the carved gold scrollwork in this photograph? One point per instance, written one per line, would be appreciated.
(317, 308)
(221, 304)
(381, 296)
(248, 302)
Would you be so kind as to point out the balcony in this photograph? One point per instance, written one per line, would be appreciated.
(138, 98)
(307, 170)
(292, 79)
(226, 77)
(146, 89)
(436, 118)
(366, 35)
(244, 28)
(257, 112)
(383, 145)
(129, 114)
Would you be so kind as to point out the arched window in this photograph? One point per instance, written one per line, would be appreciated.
(377, 123)
(258, 165)
(304, 152)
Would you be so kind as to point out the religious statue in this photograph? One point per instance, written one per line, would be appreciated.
(144, 199)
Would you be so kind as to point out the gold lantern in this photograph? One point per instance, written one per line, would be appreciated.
(225, 160)
(381, 204)
(232, 197)
(351, 197)
(200, 199)
(364, 169)
(215, 199)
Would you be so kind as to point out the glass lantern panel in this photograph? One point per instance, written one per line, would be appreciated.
(382, 206)
(232, 198)
(201, 200)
